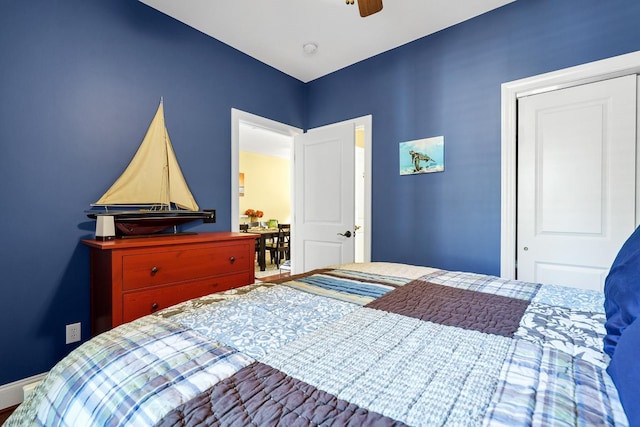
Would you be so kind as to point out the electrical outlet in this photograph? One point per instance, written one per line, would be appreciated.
(73, 333)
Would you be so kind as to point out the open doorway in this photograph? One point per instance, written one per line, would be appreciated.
(265, 189)
(241, 119)
(243, 124)
(265, 175)
(360, 182)
(263, 148)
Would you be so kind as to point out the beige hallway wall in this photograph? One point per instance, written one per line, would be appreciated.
(267, 186)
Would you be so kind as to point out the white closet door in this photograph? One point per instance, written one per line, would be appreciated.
(576, 181)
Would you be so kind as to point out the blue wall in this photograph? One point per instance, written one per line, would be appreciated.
(80, 81)
(450, 84)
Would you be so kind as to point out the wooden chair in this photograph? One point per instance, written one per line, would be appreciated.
(280, 248)
(244, 228)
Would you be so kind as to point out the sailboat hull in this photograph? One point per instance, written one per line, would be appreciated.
(141, 223)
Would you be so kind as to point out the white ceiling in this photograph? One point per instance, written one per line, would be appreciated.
(274, 31)
(258, 140)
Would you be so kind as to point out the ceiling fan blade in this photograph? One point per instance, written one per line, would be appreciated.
(369, 7)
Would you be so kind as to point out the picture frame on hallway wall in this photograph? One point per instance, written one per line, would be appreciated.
(422, 156)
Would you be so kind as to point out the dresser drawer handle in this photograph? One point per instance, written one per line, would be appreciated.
(232, 259)
(154, 306)
(154, 270)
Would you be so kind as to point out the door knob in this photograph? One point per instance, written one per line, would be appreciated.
(346, 234)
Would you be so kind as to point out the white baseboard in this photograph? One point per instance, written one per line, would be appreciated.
(13, 393)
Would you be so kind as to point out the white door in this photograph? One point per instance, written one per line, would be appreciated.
(323, 225)
(576, 181)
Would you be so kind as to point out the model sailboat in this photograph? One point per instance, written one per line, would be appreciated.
(154, 183)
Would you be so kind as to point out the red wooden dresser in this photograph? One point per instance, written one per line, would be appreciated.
(133, 277)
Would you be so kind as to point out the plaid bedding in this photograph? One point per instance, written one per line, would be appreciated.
(365, 337)
(132, 375)
(345, 285)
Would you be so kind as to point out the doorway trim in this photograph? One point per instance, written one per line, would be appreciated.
(616, 66)
(237, 117)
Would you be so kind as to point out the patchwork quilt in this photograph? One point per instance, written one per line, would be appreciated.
(374, 344)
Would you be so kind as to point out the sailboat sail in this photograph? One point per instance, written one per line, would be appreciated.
(153, 177)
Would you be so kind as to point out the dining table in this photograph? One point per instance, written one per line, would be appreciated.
(265, 234)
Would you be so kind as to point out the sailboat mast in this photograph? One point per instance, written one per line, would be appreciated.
(166, 184)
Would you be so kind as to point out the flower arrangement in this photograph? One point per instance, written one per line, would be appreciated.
(253, 213)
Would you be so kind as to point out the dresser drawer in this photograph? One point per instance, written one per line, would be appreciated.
(140, 303)
(151, 269)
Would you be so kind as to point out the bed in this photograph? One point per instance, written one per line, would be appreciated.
(378, 344)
